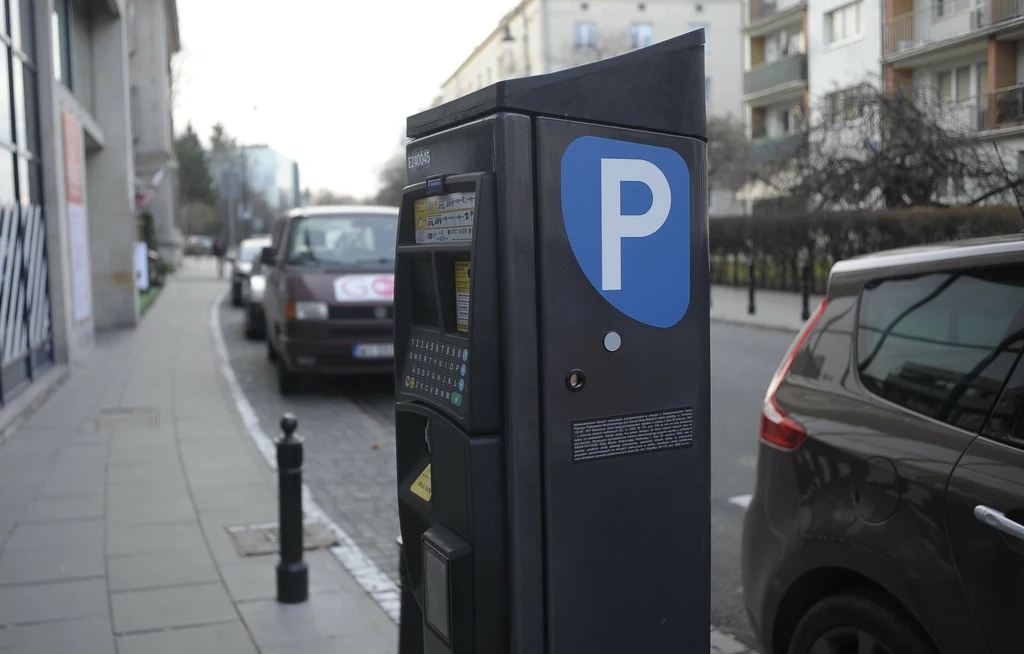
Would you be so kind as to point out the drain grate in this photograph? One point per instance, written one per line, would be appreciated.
(127, 417)
(253, 540)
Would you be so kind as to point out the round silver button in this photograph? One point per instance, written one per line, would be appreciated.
(612, 341)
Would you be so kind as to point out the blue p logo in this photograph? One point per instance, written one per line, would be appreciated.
(626, 208)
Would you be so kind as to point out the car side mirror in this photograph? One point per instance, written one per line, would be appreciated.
(267, 257)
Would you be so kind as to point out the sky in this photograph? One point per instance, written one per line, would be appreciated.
(327, 83)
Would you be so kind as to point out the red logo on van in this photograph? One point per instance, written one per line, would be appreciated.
(364, 288)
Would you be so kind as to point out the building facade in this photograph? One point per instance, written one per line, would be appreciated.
(67, 198)
(152, 41)
(541, 36)
(969, 54)
(801, 57)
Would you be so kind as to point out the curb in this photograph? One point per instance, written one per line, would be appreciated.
(741, 323)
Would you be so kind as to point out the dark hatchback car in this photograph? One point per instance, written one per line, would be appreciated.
(330, 292)
(888, 515)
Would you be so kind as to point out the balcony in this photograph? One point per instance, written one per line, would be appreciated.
(765, 10)
(1005, 109)
(767, 149)
(788, 71)
(938, 23)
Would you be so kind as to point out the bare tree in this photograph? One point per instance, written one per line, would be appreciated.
(728, 152)
(393, 178)
(871, 148)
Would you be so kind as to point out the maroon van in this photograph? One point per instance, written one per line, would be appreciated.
(330, 291)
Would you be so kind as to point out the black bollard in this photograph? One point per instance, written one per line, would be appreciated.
(292, 572)
(805, 290)
(751, 307)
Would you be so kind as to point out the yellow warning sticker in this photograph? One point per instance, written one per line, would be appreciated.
(421, 487)
(445, 218)
(462, 295)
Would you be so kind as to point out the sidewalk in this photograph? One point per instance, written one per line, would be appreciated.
(774, 310)
(115, 498)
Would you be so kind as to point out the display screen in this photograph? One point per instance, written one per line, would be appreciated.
(445, 218)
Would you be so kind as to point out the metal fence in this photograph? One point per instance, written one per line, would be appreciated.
(26, 336)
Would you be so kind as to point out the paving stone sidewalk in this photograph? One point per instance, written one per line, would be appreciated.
(114, 501)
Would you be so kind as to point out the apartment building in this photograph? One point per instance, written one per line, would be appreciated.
(152, 41)
(67, 194)
(541, 36)
(968, 54)
(801, 58)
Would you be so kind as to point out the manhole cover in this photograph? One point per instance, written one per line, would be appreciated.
(252, 540)
(127, 417)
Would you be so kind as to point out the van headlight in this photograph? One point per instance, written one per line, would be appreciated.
(309, 311)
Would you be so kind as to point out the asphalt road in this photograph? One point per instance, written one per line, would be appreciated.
(350, 449)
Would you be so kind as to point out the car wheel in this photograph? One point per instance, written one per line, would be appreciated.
(271, 352)
(860, 622)
(250, 332)
(236, 295)
(287, 381)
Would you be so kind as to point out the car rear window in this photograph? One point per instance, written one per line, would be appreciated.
(941, 344)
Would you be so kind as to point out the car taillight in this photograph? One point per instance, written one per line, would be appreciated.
(777, 428)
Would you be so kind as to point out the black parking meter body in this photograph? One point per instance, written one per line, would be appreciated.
(552, 361)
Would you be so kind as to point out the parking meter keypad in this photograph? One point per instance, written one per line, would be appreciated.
(437, 369)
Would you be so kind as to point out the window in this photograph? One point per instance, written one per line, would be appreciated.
(944, 86)
(642, 34)
(942, 344)
(845, 105)
(982, 87)
(843, 23)
(963, 83)
(342, 239)
(61, 28)
(586, 35)
(707, 35)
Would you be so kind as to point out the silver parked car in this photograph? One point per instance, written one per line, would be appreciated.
(242, 263)
(253, 286)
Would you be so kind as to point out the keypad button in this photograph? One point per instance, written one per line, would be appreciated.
(462, 370)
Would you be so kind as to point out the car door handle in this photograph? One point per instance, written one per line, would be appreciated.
(998, 520)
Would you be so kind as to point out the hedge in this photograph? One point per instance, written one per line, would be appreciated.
(779, 242)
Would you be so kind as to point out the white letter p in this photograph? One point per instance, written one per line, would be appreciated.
(614, 225)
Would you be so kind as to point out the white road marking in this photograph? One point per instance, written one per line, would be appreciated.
(361, 567)
(741, 500)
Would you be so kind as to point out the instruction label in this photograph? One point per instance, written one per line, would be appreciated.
(605, 438)
(445, 218)
(421, 487)
(462, 295)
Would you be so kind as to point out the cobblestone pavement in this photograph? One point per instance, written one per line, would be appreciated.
(350, 451)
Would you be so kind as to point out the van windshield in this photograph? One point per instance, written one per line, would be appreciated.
(343, 240)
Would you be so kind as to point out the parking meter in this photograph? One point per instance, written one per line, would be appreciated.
(552, 361)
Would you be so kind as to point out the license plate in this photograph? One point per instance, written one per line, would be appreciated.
(374, 351)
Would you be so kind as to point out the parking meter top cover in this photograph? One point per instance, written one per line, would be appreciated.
(674, 105)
